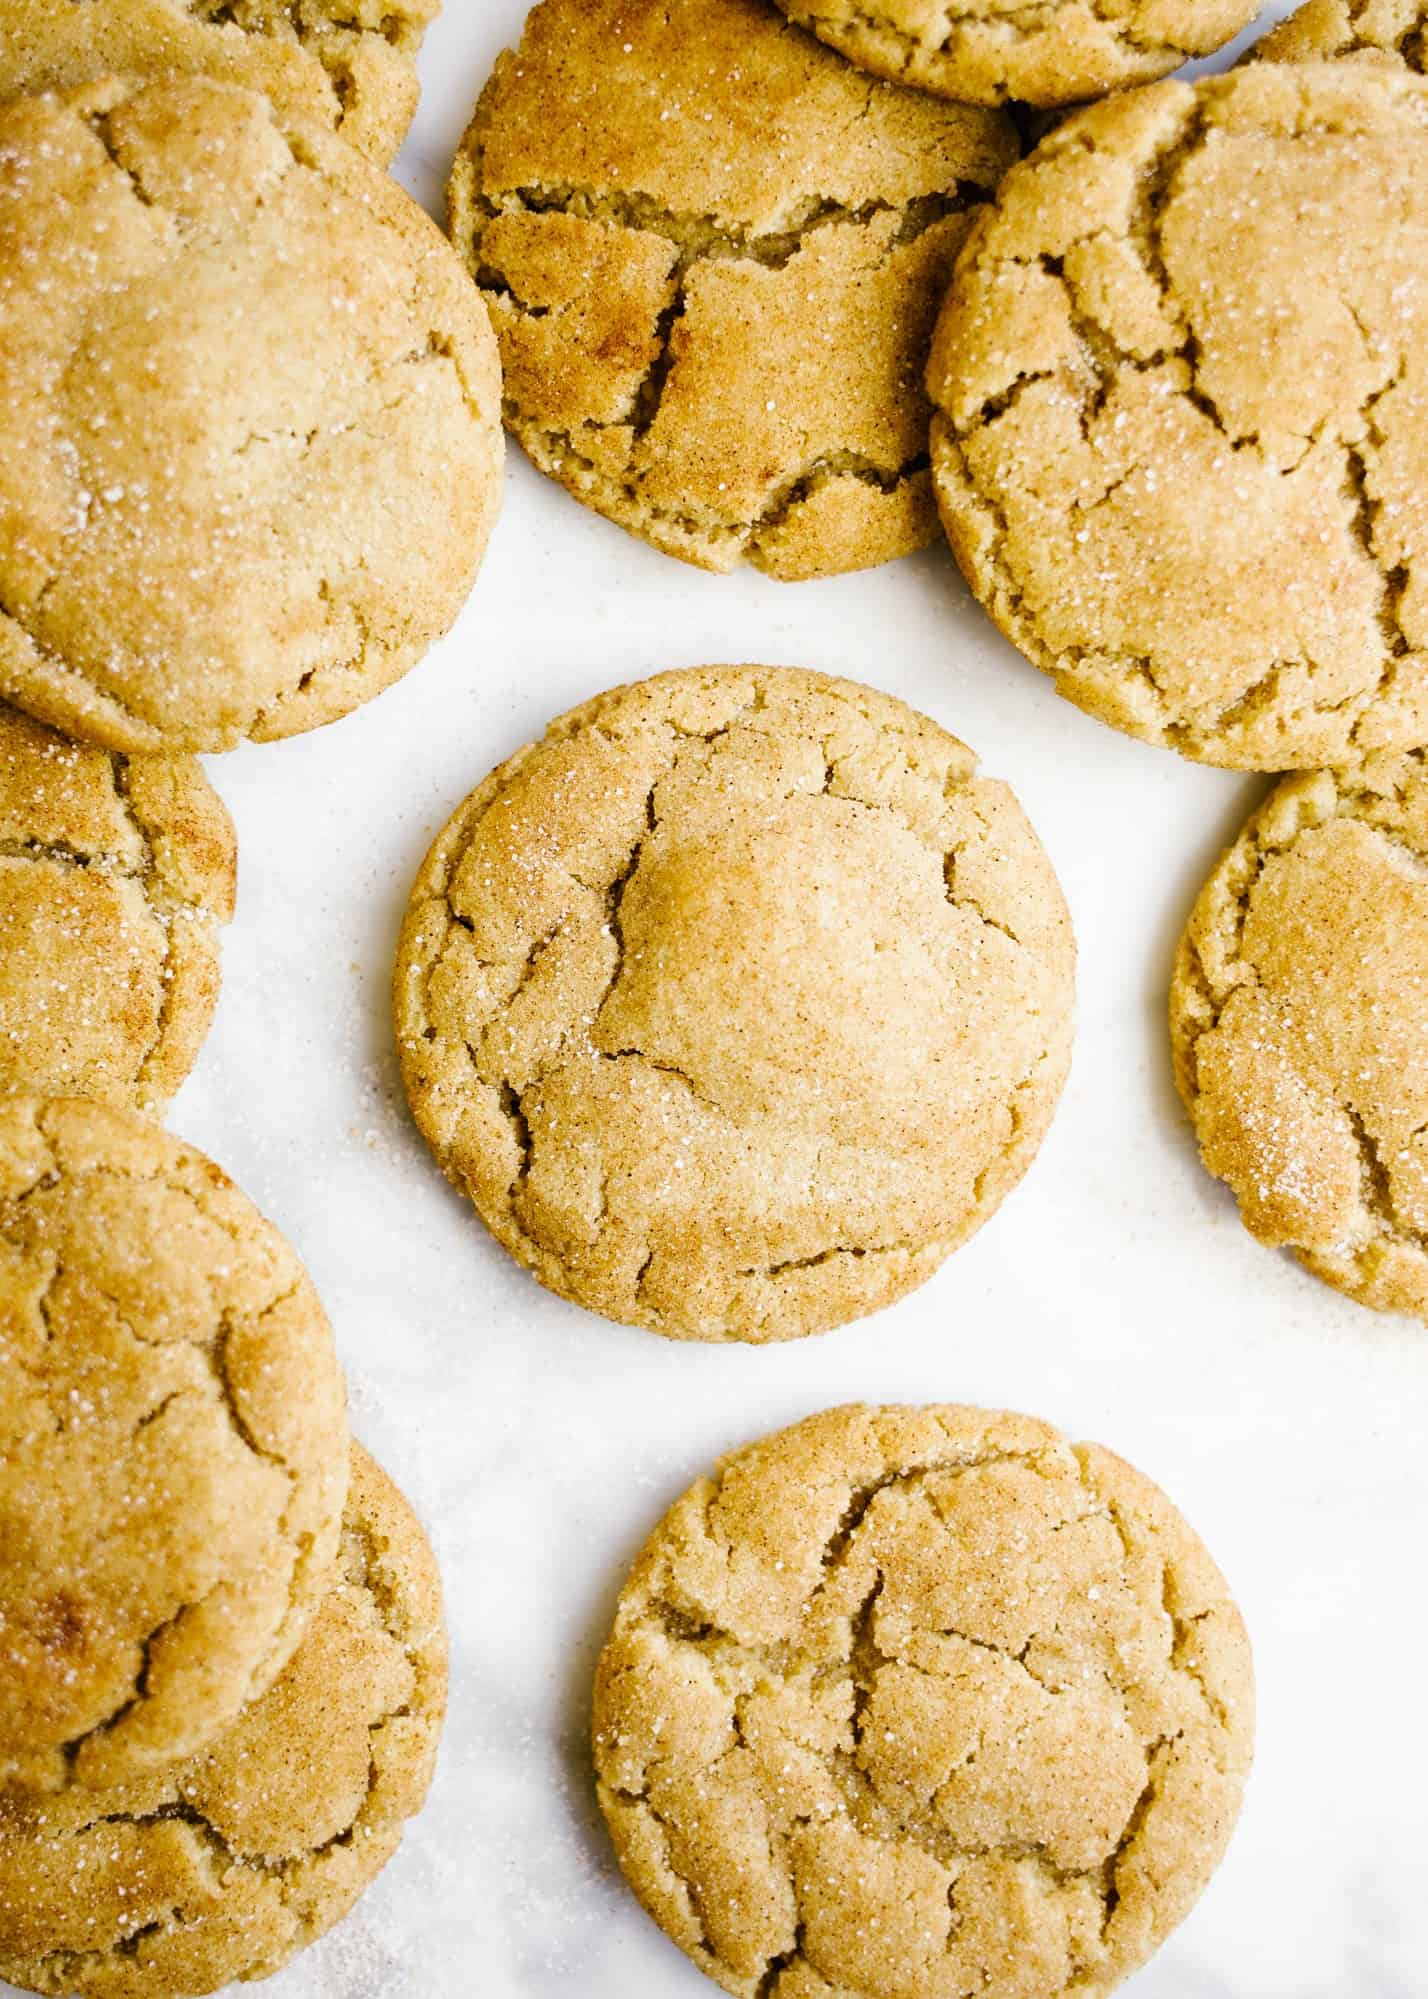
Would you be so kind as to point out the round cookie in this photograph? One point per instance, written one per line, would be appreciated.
(115, 875)
(1182, 442)
(173, 1447)
(996, 50)
(227, 1866)
(713, 254)
(211, 528)
(1389, 31)
(901, 1703)
(1298, 1028)
(351, 69)
(736, 1003)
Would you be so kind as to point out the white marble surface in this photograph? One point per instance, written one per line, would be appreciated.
(1115, 1293)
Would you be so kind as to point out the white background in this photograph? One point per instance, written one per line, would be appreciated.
(1115, 1293)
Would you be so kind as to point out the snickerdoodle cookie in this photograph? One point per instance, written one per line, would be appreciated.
(1390, 31)
(737, 1002)
(713, 252)
(1299, 1019)
(987, 51)
(349, 66)
(227, 1865)
(115, 875)
(173, 1447)
(249, 419)
(902, 1703)
(1182, 442)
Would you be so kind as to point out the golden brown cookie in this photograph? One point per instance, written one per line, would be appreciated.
(173, 1447)
(713, 253)
(1299, 1028)
(115, 875)
(737, 1002)
(349, 67)
(994, 50)
(226, 1866)
(1182, 441)
(1389, 31)
(905, 1703)
(249, 437)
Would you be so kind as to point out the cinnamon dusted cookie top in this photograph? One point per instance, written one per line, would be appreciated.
(736, 1003)
(1044, 52)
(115, 875)
(1299, 1019)
(173, 1447)
(348, 64)
(1182, 441)
(226, 1866)
(713, 253)
(901, 1703)
(1386, 31)
(249, 419)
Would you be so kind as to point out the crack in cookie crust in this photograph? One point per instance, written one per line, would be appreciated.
(1040, 52)
(114, 880)
(227, 1866)
(330, 64)
(716, 342)
(1297, 1031)
(195, 549)
(1331, 30)
(737, 1003)
(1124, 422)
(172, 1447)
(921, 1701)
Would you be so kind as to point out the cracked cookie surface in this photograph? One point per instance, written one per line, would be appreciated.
(918, 1703)
(115, 875)
(713, 253)
(1042, 52)
(1182, 442)
(205, 537)
(1391, 31)
(1299, 1024)
(736, 1003)
(347, 64)
(228, 1865)
(173, 1447)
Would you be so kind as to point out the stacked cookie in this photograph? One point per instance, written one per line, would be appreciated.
(220, 1625)
(193, 551)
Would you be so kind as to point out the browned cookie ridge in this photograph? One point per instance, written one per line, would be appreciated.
(1182, 442)
(250, 445)
(1044, 52)
(736, 1003)
(1384, 31)
(713, 252)
(350, 67)
(1299, 1020)
(115, 875)
(902, 1703)
(173, 1447)
(226, 1866)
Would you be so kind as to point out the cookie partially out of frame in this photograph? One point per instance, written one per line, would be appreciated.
(350, 67)
(1384, 31)
(1046, 52)
(250, 441)
(737, 1003)
(901, 1703)
(1300, 1030)
(115, 876)
(1181, 447)
(226, 1866)
(173, 1447)
(713, 253)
